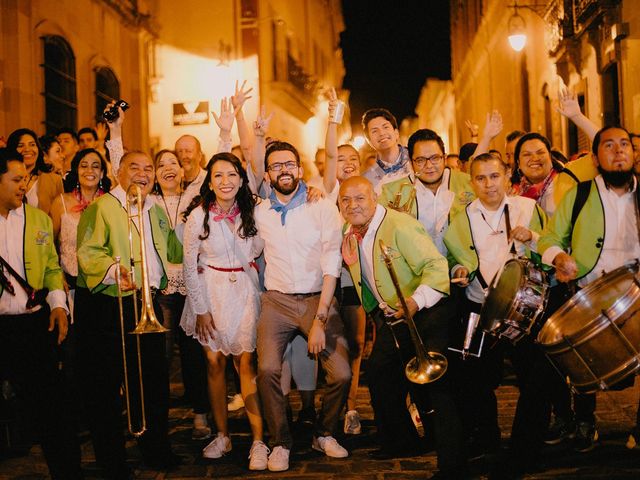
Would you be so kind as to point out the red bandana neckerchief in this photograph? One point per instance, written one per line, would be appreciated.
(219, 214)
(352, 239)
(83, 203)
(535, 191)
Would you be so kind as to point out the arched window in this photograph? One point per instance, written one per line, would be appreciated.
(107, 89)
(61, 107)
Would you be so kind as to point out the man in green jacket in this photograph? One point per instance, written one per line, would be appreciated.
(432, 193)
(32, 328)
(601, 234)
(102, 236)
(424, 283)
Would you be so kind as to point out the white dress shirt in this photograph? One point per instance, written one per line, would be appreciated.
(433, 209)
(11, 249)
(154, 264)
(299, 253)
(424, 295)
(621, 243)
(489, 233)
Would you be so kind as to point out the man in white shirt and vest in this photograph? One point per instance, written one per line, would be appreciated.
(424, 282)
(32, 328)
(302, 253)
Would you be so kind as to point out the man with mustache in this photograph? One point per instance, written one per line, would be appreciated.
(102, 236)
(302, 253)
(392, 159)
(424, 281)
(31, 333)
(439, 191)
(603, 237)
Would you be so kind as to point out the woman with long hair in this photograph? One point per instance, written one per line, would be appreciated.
(43, 186)
(223, 298)
(52, 152)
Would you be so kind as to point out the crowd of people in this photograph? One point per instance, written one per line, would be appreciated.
(245, 261)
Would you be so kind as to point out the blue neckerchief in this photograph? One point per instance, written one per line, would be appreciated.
(298, 199)
(404, 158)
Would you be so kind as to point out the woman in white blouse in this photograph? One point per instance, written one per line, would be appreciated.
(223, 299)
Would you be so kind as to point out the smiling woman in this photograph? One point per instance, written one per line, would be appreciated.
(43, 186)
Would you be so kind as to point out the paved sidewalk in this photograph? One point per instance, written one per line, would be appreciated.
(611, 460)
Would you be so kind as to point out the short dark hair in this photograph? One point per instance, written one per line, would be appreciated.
(71, 179)
(424, 135)
(514, 134)
(90, 130)
(375, 113)
(70, 131)
(46, 141)
(14, 139)
(486, 157)
(8, 155)
(278, 146)
(596, 139)
(466, 151)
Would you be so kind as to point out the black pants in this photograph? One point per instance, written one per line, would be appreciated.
(29, 360)
(389, 387)
(100, 367)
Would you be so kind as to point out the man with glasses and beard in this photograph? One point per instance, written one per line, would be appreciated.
(603, 237)
(302, 253)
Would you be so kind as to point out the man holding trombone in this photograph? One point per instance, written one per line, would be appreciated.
(107, 310)
(394, 262)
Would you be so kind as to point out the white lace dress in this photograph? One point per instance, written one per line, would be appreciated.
(235, 306)
(68, 238)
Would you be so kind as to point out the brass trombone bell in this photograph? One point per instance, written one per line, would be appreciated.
(408, 205)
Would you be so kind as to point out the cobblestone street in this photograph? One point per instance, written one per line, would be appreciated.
(616, 415)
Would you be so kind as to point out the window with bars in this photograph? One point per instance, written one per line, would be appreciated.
(61, 107)
(107, 89)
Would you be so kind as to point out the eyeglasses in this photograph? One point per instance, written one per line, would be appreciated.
(277, 167)
(433, 160)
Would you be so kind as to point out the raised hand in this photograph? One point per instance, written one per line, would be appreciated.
(261, 125)
(568, 105)
(240, 96)
(102, 130)
(493, 125)
(473, 128)
(226, 117)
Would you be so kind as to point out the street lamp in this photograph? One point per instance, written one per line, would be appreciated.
(517, 35)
(517, 28)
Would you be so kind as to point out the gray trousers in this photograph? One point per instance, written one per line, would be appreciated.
(282, 316)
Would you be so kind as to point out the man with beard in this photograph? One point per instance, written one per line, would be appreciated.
(603, 237)
(392, 159)
(434, 193)
(424, 281)
(102, 237)
(302, 253)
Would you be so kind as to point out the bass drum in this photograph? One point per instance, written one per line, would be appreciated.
(594, 337)
(516, 301)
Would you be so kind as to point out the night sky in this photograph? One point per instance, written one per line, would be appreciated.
(390, 48)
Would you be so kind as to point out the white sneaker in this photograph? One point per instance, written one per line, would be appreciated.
(236, 403)
(218, 447)
(201, 429)
(258, 456)
(329, 446)
(352, 423)
(279, 459)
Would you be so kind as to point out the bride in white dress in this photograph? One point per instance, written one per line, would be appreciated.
(223, 298)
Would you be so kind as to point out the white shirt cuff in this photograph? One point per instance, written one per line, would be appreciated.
(57, 299)
(550, 253)
(110, 277)
(426, 297)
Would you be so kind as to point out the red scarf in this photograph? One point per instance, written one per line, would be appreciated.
(352, 239)
(219, 214)
(83, 203)
(535, 191)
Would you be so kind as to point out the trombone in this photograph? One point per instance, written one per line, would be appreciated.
(144, 316)
(425, 367)
(406, 207)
